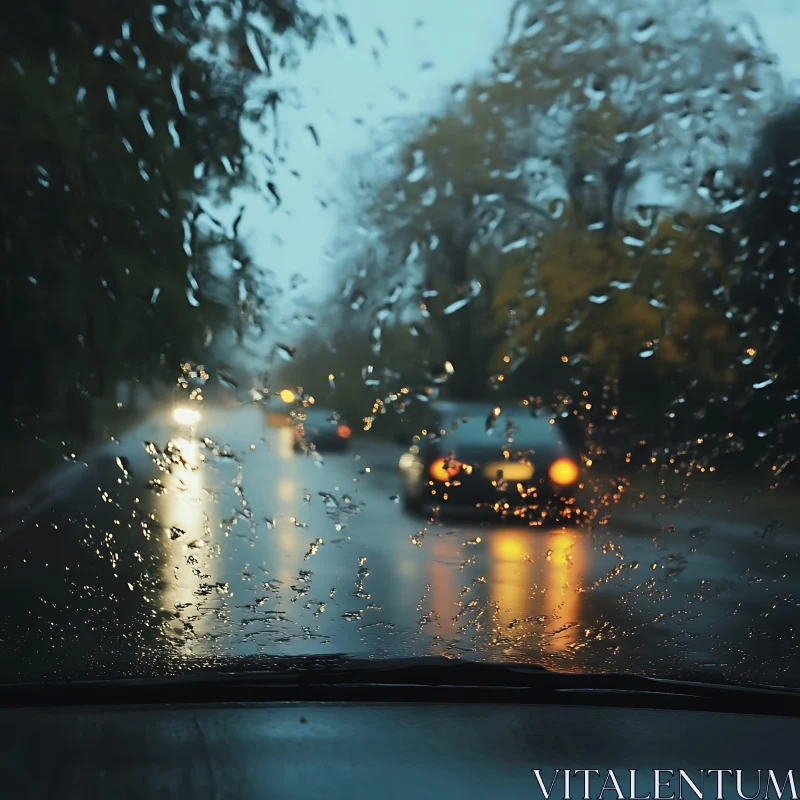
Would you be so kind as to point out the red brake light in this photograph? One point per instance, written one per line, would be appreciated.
(564, 471)
(444, 469)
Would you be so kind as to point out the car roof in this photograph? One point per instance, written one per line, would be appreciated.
(470, 420)
(315, 412)
(481, 410)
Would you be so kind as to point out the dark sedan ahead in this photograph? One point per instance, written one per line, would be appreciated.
(320, 429)
(490, 456)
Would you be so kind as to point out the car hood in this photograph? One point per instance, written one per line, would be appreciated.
(437, 679)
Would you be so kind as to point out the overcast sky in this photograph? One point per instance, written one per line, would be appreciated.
(350, 94)
(779, 23)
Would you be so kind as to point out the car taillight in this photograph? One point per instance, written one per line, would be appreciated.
(343, 431)
(563, 471)
(444, 469)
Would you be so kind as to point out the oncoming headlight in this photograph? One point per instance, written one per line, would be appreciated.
(186, 416)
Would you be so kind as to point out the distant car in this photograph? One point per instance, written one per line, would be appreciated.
(321, 429)
(492, 456)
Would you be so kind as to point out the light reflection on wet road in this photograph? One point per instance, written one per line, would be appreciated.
(270, 553)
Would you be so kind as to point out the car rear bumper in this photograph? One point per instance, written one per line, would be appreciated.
(483, 492)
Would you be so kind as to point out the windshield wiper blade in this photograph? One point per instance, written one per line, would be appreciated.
(407, 680)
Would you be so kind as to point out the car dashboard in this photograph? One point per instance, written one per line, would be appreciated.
(374, 749)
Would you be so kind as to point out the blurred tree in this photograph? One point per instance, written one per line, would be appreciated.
(578, 203)
(118, 119)
(593, 117)
(613, 299)
(616, 96)
(767, 300)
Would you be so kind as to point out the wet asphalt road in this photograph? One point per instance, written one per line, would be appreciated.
(246, 548)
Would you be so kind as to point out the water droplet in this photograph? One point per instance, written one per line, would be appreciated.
(175, 82)
(491, 419)
(749, 32)
(144, 115)
(419, 171)
(357, 299)
(594, 90)
(524, 24)
(632, 241)
(254, 46)
(313, 548)
(517, 244)
(286, 352)
(457, 305)
(442, 373)
(173, 132)
(428, 196)
(574, 46)
(645, 32)
(155, 17)
(124, 465)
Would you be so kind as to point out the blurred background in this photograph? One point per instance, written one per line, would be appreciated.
(217, 216)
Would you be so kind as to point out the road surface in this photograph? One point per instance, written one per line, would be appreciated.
(243, 547)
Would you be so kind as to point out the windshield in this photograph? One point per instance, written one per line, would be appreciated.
(223, 222)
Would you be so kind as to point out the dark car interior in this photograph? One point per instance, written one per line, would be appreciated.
(433, 729)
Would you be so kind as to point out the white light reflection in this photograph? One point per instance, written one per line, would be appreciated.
(283, 552)
(284, 444)
(189, 565)
(186, 416)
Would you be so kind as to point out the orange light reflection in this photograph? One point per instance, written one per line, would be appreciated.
(534, 582)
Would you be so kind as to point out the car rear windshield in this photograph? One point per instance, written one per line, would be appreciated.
(488, 429)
